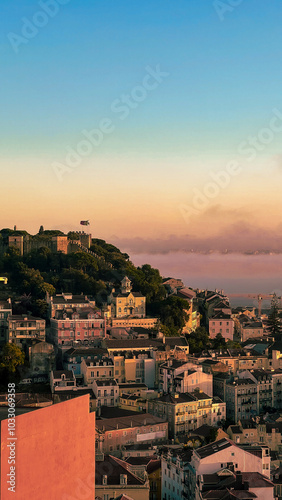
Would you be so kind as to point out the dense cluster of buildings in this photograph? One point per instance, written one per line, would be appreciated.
(169, 425)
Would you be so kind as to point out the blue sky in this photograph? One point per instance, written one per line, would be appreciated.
(224, 76)
(224, 80)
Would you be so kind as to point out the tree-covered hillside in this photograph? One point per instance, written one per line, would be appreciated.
(34, 274)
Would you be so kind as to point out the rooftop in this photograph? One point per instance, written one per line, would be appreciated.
(57, 374)
(113, 467)
(210, 449)
(106, 382)
(176, 398)
(146, 343)
(70, 299)
(138, 420)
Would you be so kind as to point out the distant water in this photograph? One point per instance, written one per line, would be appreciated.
(234, 273)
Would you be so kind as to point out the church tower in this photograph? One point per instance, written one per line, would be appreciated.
(125, 285)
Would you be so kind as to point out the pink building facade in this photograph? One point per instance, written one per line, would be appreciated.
(72, 327)
(53, 455)
(221, 323)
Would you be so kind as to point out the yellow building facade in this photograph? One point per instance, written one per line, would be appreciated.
(126, 303)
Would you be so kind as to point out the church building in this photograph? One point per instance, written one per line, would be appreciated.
(126, 303)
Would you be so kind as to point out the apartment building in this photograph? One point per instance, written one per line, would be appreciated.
(106, 392)
(73, 357)
(237, 359)
(114, 479)
(222, 323)
(115, 433)
(63, 301)
(221, 455)
(136, 367)
(186, 412)
(193, 321)
(241, 399)
(23, 328)
(61, 380)
(179, 376)
(74, 326)
(174, 468)
(251, 329)
(259, 433)
(100, 367)
(5, 312)
(229, 485)
(133, 402)
(269, 384)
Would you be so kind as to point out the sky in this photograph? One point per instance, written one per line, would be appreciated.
(159, 121)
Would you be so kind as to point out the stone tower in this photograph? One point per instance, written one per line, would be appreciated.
(125, 285)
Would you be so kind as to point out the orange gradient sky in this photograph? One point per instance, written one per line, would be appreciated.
(214, 97)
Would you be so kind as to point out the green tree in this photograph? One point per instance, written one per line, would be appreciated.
(274, 322)
(39, 308)
(218, 342)
(72, 235)
(11, 357)
(148, 281)
(212, 435)
(83, 261)
(198, 340)
(172, 313)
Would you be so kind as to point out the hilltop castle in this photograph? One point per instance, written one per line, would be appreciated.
(61, 243)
